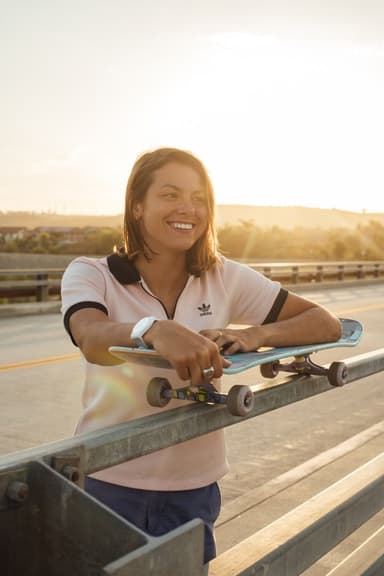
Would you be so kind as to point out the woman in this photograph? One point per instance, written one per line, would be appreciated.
(170, 289)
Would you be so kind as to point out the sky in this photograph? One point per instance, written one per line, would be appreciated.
(281, 99)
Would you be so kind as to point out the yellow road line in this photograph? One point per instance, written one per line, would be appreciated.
(39, 362)
(361, 309)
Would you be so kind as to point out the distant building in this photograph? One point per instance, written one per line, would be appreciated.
(56, 229)
(66, 234)
(9, 233)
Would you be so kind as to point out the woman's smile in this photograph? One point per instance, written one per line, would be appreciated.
(182, 225)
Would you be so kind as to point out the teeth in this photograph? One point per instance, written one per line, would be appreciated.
(182, 226)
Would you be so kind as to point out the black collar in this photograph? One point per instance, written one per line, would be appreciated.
(123, 269)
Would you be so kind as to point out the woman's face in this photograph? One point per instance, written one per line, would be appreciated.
(174, 213)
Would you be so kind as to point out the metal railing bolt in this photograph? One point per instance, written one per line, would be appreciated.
(71, 472)
(17, 491)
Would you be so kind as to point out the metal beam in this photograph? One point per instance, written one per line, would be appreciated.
(295, 541)
(59, 529)
(366, 560)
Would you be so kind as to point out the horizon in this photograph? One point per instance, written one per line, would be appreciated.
(238, 204)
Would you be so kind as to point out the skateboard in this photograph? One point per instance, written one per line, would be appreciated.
(239, 399)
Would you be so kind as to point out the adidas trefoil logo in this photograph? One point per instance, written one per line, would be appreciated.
(205, 310)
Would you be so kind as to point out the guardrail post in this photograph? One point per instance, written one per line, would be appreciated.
(319, 273)
(267, 271)
(341, 272)
(360, 271)
(42, 287)
(295, 274)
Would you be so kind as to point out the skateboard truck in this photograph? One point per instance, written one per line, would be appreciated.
(337, 372)
(239, 399)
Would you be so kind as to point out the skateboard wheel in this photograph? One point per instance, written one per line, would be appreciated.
(337, 374)
(155, 391)
(270, 369)
(240, 400)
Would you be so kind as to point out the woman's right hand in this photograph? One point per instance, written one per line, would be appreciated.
(189, 352)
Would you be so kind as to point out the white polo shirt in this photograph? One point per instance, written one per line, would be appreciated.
(229, 293)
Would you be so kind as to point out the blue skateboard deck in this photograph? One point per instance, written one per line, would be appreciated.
(352, 332)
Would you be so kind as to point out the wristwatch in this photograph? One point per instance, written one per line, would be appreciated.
(140, 328)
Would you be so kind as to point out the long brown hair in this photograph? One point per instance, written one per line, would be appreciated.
(203, 253)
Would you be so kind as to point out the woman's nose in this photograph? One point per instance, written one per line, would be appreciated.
(186, 206)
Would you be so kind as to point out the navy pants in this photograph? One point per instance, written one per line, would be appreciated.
(157, 512)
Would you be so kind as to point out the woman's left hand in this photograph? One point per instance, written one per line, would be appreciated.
(231, 340)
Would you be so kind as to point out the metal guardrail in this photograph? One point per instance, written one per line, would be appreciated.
(42, 285)
(39, 285)
(50, 526)
(295, 541)
(295, 273)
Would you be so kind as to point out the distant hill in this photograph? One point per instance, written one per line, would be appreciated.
(295, 216)
(262, 216)
(35, 219)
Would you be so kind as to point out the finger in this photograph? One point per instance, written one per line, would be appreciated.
(231, 348)
(217, 363)
(196, 375)
(211, 369)
(182, 370)
(209, 333)
(225, 344)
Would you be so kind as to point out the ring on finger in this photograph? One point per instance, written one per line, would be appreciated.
(208, 372)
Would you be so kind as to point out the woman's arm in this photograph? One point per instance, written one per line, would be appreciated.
(300, 321)
(188, 351)
(94, 333)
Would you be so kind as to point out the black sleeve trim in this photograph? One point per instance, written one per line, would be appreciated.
(274, 312)
(80, 306)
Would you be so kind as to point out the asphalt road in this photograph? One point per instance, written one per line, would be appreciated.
(41, 378)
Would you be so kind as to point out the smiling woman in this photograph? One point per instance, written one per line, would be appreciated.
(170, 289)
(172, 206)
